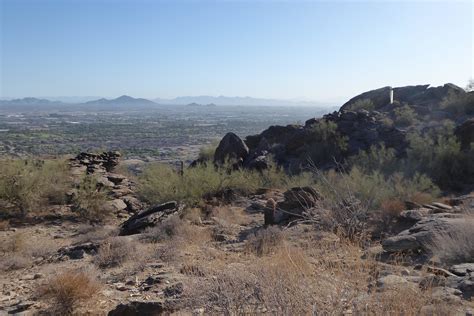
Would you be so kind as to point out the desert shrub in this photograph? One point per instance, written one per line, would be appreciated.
(363, 104)
(386, 121)
(455, 246)
(405, 116)
(177, 229)
(458, 103)
(377, 158)
(31, 184)
(392, 207)
(69, 289)
(14, 261)
(350, 196)
(265, 241)
(160, 183)
(166, 230)
(114, 252)
(325, 144)
(88, 233)
(374, 188)
(18, 250)
(90, 200)
(439, 156)
(206, 153)
(279, 284)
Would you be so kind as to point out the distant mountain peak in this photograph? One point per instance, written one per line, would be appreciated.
(122, 100)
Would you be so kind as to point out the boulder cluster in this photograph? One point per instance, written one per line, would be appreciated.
(291, 146)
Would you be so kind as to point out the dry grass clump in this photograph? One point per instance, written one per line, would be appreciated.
(18, 251)
(69, 289)
(392, 207)
(194, 215)
(276, 284)
(231, 215)
(405, 299)
(114, 252)
(265, 241)
(455, 246)
(14, 262)
(174, 235)
(177, 229)
(89, 233)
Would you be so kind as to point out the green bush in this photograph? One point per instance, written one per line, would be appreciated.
(439, 155)
(28, 185)
(371, 189)
(160, 183)
(364, 104)
(325, 143)
(377, 158)
(90, 200)
(405, 116)
(206, 153)
(458, 103)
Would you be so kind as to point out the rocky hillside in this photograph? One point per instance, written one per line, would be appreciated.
(375, 226)
(364, 121)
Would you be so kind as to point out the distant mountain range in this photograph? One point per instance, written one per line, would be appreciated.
(130, 101)
(223, 100)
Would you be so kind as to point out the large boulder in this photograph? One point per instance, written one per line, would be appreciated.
(231, 147)
(422, 95)
(421, 236)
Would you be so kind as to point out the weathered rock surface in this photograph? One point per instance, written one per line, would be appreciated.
(138, 308)
(148, 218)
(231, 147)
(106, 160)
(422, 234)
(462, 269)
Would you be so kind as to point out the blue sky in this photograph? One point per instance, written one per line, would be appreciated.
(326, 51)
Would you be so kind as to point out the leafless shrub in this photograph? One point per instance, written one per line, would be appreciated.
(347, 214)
(193, 215)
(89, 233)
(68, 290)
(169, 251)
(274, 284)
(178, 230)
(265, 241)
(114, 252)
(14, 262)
(19, 251)
(229, 214)
(13, 243)
(192, 268)
(455, 246)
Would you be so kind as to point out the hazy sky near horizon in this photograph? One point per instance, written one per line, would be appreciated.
(325, 51)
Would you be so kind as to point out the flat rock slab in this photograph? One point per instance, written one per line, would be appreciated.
(423, 233)
(462, 269)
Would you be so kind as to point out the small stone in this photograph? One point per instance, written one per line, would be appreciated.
(37, 276)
